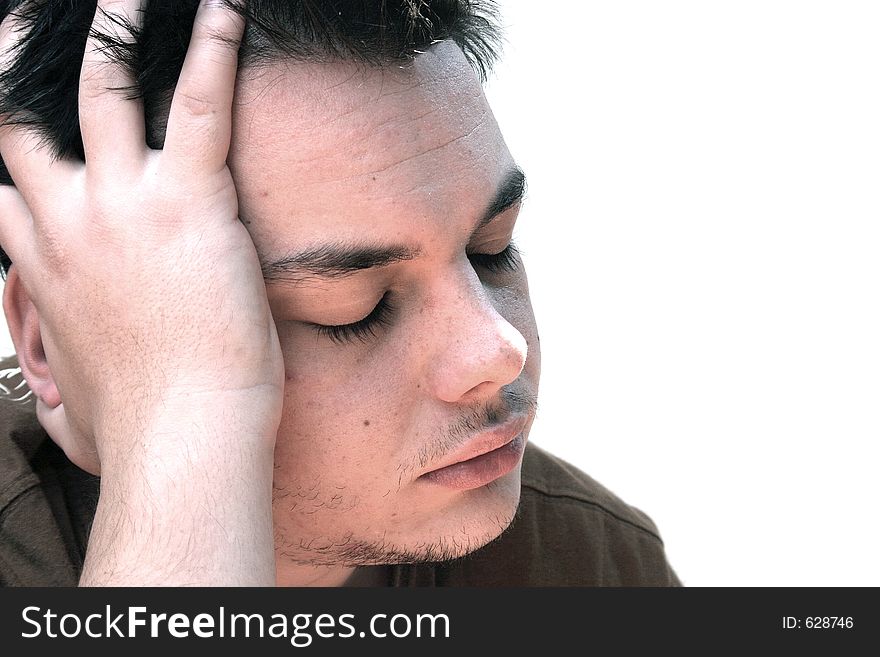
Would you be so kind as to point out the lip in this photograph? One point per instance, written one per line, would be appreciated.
(486, 457)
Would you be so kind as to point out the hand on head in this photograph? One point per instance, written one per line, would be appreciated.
(136, 294)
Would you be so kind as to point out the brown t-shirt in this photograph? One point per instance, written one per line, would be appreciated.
(568, 531)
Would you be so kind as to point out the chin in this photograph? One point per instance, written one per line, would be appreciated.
(460, 525)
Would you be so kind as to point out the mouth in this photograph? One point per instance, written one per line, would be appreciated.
(483, 459)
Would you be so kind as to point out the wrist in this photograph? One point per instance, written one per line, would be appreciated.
(211, 429)
(200, 514)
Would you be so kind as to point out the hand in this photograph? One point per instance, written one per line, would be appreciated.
(153, 310)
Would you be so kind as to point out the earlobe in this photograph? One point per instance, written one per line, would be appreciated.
(23, 320)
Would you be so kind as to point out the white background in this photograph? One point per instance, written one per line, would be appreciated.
(702, 234)
(702, 238)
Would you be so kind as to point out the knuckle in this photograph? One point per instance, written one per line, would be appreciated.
(98, 79)
(55, 253)
(197, 105)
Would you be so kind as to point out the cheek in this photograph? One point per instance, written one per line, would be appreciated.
(344, 409)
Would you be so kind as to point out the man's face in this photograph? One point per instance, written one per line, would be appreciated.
(408, 168)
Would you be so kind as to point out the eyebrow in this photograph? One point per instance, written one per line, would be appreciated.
(338, 260)
(511, 191)
(333, 261)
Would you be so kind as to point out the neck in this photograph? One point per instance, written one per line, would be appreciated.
(291, 574)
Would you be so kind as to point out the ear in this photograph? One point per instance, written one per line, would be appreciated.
(23, 320)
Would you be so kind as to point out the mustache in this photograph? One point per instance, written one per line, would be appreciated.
(485, 416)
(478, 418)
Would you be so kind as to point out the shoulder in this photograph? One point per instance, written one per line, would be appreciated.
(553, 482)
(19, 437)
(569, 531)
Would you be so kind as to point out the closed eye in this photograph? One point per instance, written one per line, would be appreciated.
(507, 260)
(361, 330)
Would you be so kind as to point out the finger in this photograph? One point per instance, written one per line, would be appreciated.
(200, 122)
(16, 225)
(112, 123)
(27, 157)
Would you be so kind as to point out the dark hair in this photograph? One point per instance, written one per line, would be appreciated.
(39, 89)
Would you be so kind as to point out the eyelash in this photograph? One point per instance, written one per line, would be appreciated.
(505, 261)
(363, 329)
(380, 317)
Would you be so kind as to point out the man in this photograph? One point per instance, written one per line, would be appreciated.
(287, 327)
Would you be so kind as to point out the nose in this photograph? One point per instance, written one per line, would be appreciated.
(478, 350)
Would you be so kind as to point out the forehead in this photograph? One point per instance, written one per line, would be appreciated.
(341, 149)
